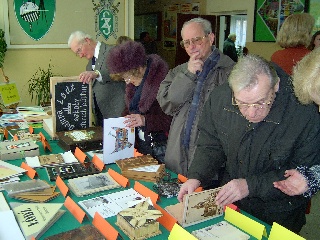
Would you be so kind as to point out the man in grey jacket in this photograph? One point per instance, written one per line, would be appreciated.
(108, 99)
(185, 89)
(258, 129)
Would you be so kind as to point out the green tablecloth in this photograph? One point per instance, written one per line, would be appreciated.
(68, 222)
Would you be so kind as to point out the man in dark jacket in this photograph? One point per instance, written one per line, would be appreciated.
(229, 47)
(257, 128)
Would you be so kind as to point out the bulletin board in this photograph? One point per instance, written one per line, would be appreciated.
(270, 14)
(70, 16)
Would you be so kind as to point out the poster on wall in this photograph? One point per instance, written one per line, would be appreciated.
(270, 14)
(36, 17)
(190, 8)
(170, 26)
(106, 18)
(314, 10)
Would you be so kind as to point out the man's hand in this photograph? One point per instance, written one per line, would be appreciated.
(233, 191)
(188, 187)
(134, 120)
(87, 76)
(195, 64)
(295, 184)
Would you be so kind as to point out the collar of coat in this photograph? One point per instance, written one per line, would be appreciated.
(158, 70)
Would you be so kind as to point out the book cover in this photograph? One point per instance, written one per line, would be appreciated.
(222, 231)
(118, 140)
(196, 207)
(9, 228)
(8, 170)
(35, 218)
(68, 171)
(94, 183)
(86, 232)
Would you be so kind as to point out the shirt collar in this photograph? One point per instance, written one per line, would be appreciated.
(97, 50)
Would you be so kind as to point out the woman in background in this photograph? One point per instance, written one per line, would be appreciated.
(143, 75)
(294, 36)
(306, 83)
(315, 41)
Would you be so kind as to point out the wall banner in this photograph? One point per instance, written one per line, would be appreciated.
(36, 17)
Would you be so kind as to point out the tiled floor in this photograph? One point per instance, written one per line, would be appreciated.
(311, 231)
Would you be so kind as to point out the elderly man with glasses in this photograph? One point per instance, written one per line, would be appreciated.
(257, 128)
(186, 87)
(108, 95)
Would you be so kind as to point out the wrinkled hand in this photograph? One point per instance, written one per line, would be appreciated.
(233, 191)
(188, 187)
(295, 184)
(134, 120)
(87, 76)
(195, 64)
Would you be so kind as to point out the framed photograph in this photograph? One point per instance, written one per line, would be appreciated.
(314, 10)
(270, 14)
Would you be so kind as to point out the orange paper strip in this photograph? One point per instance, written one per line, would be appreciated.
(15, 137)
(75, 210)
(47, 145)
(104, 227)
(166, 220)
(97, 162)
(80, 155)
(31, 173)
(123, 181)
(31, 129)
(182, 178)
(146, 192)
(42, 137)
(5, 133)
(62, 186)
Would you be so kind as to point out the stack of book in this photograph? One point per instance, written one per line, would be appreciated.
(9, 173)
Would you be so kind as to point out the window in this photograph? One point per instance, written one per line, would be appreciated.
(239, 27)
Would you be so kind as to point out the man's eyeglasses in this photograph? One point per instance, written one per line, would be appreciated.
(245, 106)
(79, 50)
(196, 41)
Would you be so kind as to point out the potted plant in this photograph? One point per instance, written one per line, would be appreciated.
(3, 49)
(39, 85)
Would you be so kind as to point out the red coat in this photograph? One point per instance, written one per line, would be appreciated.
(288, 57)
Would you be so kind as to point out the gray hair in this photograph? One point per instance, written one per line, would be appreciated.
(206, 25)
(231, 35)
(245, 73)
(79, 36)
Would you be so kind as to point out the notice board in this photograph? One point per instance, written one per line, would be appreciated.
(71, 104)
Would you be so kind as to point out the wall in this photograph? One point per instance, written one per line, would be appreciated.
(231, 7)
(21, 63)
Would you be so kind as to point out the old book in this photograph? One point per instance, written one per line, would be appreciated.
(91, 184)
(86, 232)
(222, 231)
(139, 221)
(51, 159)
(9, 170)
(43, 195)
(29, 185)
(144, 168)
(196, 207)
(35, 218)
(18, 149)
(86, 139)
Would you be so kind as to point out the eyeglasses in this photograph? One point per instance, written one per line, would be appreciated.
(196, 41)
(79, 50)
(258, 106)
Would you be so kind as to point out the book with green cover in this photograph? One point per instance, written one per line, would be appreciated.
(35, 218)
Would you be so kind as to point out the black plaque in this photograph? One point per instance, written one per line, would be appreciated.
(72, 108)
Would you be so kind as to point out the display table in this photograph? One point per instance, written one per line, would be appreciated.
(68, 222)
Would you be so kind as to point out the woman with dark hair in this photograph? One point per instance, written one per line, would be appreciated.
(143, 75)
(315, 41)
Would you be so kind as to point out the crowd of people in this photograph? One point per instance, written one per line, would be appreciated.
(243, 123)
